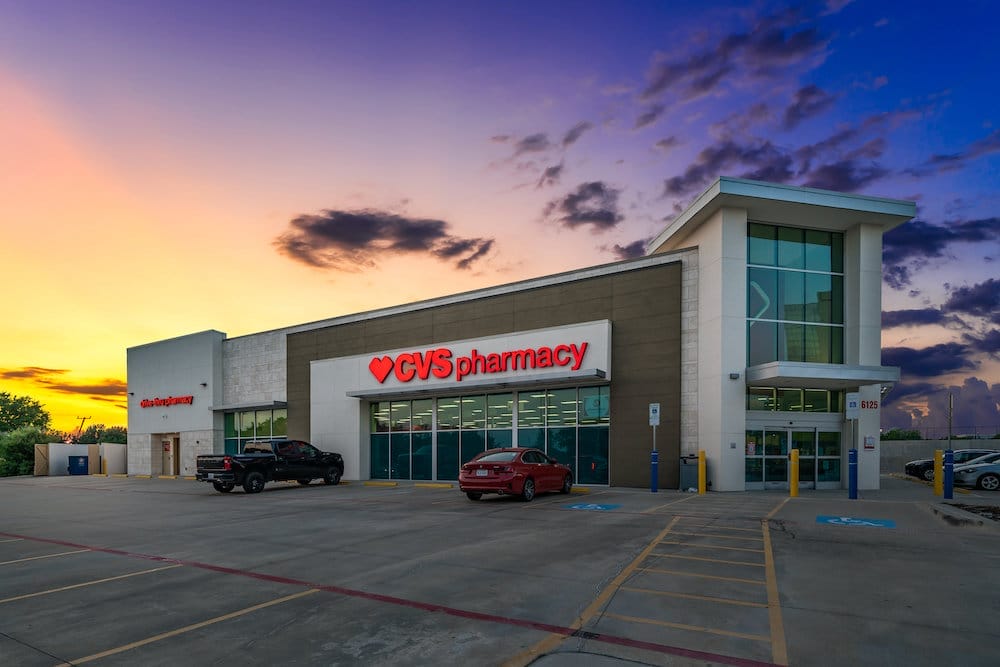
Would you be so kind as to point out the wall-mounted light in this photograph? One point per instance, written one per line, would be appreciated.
(734, 376)
(131, 393)
(204, 384)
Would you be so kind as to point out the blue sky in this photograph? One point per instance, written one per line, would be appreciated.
(180, 166)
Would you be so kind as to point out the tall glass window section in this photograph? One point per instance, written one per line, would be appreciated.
(795, 295)
(249, 425)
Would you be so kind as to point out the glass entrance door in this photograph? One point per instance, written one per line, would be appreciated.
(767, 457)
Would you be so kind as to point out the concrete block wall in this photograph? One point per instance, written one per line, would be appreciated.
(689, 351)
(254, 368)
(140, 454)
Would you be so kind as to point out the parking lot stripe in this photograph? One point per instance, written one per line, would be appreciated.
(717, 527)
(691, 596)
(682, 626)
(711, 546)
(189, 628)
(755, 582)
(653, 510)
(86, 583)
(16, 539)
(22, 560)
(777, 508)
(779, 650)
(710, 560)
(721, 537)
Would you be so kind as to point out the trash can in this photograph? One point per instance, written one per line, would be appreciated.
(78, 465)
(689, 472)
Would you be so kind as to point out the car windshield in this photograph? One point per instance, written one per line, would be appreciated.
(499, 456)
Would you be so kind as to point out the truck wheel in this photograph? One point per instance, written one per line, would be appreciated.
(332, 476)
(223, 487)
(303, 482)
(254, 483)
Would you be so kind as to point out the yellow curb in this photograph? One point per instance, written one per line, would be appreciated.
(143, 476)
(579, 489)
(437, 485)
(370, 483)
(119, 474)
(189, 477)
(166, 476)
(99, 474)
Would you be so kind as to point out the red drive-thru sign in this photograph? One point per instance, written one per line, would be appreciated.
(443, 363)
(165, 402)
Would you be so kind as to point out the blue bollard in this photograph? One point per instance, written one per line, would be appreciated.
(654, 465)
(852, 474)
(949, 473)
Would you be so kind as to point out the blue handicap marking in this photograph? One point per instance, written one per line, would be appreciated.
(855, 521)
(592, 507)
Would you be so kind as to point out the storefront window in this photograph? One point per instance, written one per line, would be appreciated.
(380, 417)
(399, 416)
(531, 409)
(449, 413)
(474, 412)
(767, 399)
(595, 405)
(561, 407)
(423, 415)
(500, 410)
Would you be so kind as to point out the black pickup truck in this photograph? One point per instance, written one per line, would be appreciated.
(272, 460)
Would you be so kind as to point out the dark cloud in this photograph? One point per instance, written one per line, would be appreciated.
(982, 300)
(740, 122)
(30, 373)
(988, 342)
(918, 241)
(668, 144)
(352, 240)
(550, 176)
(928, 407)
(808, 101)
(844, 176)
(108, 387)
(533, 143)
(630, 251)
(773, 42)
(917, 317)
(766, 162)
(649, 116)
(575, 132)
(952, 161)
(929, 361)
(593, 203)
(897, 277)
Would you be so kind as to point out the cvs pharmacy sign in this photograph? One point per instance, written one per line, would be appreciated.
(442, 363)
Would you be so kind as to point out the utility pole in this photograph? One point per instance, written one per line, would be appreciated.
(79, 431)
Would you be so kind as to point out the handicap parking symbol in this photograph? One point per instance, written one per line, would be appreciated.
(591, 507)
(855, 521)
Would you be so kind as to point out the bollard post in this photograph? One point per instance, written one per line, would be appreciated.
(949, 473)
(852, 474)
(654, 465)
(938, 472)
(793, 475)
(702, 472)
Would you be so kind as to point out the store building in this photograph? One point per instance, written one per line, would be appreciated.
(749, 319)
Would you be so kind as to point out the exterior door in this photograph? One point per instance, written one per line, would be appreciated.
(767, 457)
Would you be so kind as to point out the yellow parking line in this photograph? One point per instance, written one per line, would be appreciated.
(188, 628)
(777, 508)
(64, 553)
(721, 537)
(710, 560)
(755, 582)
(779, 651)
(683, 626)
(86, 583)
(713, 546)
(716, 527)
(689, 596)
(673, 502)
(550, 642)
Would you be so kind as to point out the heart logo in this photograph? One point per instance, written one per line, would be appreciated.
(381, 367)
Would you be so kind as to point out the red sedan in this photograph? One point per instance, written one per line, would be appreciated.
(518, 471)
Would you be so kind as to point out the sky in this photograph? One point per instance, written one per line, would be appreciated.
(172, 167)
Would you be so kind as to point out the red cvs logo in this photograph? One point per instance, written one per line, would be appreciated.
(413, 364)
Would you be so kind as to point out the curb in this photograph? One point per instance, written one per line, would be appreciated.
(956, 516)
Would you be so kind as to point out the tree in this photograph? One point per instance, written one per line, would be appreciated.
(96, 433)
(901, 434)
(17, 449)
(18, 411)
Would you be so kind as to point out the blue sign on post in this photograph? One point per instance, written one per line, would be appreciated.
(852, 474)
(949, 473)
(855, 521)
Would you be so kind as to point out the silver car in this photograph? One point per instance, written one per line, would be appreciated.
(984, 473)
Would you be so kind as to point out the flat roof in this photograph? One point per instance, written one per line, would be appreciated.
(788, 205)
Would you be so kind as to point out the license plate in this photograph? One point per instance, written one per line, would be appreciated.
(211, 475)
(482, 472)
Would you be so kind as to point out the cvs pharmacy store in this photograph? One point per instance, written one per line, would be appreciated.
(750, 318)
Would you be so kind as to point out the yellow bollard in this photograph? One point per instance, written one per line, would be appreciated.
(938, 472)
(793, 475)
(702, 470)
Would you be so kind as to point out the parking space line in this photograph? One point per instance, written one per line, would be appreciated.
(23, 560)
(755, 582)
(86, 583)
(709, 560)
(721, 537)
(16, 539)
(717, 527)
(779, 650)
(189, 628)
(652, 510)
(683, 626)
(712, 546)
(777, 508)
(691, 596)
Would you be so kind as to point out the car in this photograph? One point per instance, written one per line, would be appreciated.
(982, 474)
(924, 468)
(516, 471)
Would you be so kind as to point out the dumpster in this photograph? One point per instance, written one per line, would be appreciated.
(689, 472)
(79, 465)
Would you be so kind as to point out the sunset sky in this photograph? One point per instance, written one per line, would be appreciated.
(172, 167)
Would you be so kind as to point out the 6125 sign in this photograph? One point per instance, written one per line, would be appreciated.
(869, 405)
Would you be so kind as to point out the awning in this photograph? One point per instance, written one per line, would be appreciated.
(584, 376)
(796, 374)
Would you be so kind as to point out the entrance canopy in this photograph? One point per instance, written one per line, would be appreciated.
(795, 374)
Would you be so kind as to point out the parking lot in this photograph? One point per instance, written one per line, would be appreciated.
(110, 571)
